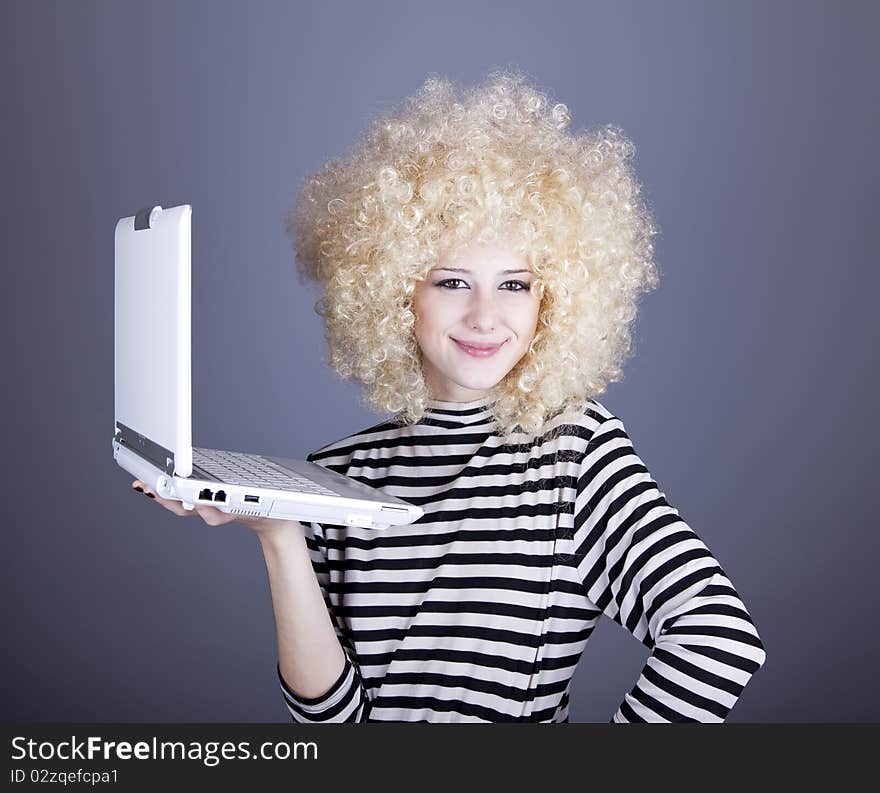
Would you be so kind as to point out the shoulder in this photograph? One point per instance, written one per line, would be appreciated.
(577, 426)
(571, 432)
(341, 450)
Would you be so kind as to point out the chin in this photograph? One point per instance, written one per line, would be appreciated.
(479, 385)
(478, 378)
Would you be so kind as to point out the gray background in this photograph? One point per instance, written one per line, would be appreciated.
(752, 395)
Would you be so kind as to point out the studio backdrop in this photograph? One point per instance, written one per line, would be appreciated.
(751, 393)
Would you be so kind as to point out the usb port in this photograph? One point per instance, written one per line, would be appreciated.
(252, 499)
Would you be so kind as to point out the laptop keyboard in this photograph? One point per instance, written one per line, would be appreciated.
(238, 468)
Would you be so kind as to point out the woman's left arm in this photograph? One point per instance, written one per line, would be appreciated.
(644, 567)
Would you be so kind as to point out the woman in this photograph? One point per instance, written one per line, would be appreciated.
(481, 267)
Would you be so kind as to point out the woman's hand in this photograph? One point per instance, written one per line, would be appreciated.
(265, 528)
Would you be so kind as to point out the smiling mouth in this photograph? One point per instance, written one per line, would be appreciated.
(479, 350)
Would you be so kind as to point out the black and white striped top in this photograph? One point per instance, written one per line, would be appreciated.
(479, 611)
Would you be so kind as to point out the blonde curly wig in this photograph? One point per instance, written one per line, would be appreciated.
(446, 167)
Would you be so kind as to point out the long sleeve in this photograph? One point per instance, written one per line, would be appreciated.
(645, 568)
(346, 700)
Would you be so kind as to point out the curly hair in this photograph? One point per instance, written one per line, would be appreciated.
(445, 167)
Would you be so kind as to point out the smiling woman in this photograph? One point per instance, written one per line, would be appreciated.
(481, 268)
(474, 321)
(495, 164)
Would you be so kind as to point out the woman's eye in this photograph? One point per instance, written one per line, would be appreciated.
(519, 286)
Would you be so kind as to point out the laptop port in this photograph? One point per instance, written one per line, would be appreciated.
(220, 495)
(252, 499)
(206, 495)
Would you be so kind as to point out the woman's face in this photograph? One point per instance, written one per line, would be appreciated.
(481, 297)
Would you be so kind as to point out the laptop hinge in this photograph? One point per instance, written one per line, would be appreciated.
(149, 450)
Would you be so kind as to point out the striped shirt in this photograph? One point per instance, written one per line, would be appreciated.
(480, 610)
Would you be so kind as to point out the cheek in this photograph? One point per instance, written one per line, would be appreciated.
(529, 323)
(430, 315)
(534, 325)
(424, 327)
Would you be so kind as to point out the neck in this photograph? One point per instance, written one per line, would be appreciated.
(453, 413)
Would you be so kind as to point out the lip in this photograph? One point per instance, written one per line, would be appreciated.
(478, 351)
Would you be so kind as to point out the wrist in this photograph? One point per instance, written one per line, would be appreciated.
(287, 535)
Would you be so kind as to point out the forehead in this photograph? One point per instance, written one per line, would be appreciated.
(487, 256)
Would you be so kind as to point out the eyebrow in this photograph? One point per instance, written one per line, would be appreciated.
(468, 272)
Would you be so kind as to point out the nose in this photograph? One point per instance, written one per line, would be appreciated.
(481, 310)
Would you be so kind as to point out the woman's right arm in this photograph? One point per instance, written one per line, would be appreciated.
(319, 681)
(310, 657)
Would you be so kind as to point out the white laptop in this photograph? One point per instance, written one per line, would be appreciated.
(153, 401)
